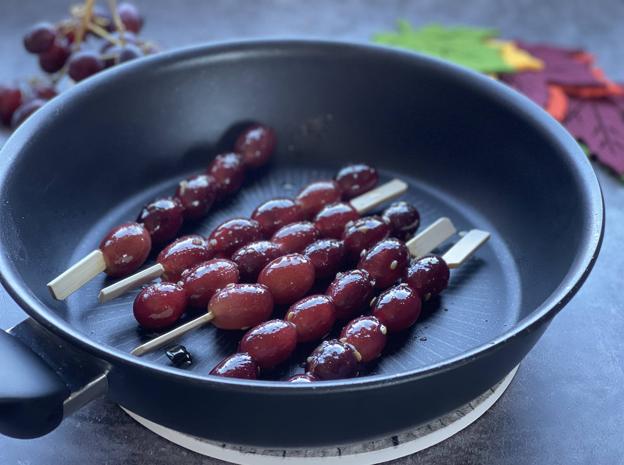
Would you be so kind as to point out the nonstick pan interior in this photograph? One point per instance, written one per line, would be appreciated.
(468, 150)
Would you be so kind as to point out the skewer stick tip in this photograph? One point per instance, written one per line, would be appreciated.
(77, 275)
(379, 195)
(431, 237)
(131, 282)
(465, 248)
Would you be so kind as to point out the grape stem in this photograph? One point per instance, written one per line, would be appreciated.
(103, 33)
(84, 23)
(112, 5)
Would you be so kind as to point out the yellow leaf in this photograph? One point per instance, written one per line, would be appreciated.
(517, 58)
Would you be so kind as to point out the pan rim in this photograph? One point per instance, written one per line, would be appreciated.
(582, 172)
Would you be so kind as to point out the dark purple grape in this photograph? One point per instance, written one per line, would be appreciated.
(351, 292)
(332, 219)
(25, 110)
(270, 343)
(84, 64)
(253, 257)
(398, 308)
(130, 17)
(239, 365)
(295, 237)
(333, 360)
(228, 237)
(428, 276)
(182, 254)
(197, 194)
(229, 171)
(44, 91)
(240, 306)
(159, 305)
(10, 100)
(55, 58)
(363, 233)
(403, 219)
(386, 262)
(327, 256)
(313, 316)
(203, 280)
(357, 179)
(40, 38)
(288, 278)
(125, 249)
(103, 17)
(275, 213)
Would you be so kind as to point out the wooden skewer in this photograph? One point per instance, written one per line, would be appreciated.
(457, 255)
(426, 241)
(362, 204)
(77, 275)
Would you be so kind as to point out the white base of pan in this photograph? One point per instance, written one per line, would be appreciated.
(367, 453)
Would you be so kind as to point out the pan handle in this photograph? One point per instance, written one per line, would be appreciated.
(31, 393)
(42, 380)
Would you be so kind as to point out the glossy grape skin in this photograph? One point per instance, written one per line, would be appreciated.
(316, 195)
(229, 172)
(40, 38)
(368, 335)
(332, 219)
(84, 64)
(182, 254)
(125, 248)
(295, 237)
(130, 17)
(239, 365)
(312, 316)
(302, 378)
(234, 234)
(351, 293)
(163, 219)
(10, 100)
(363, 233)
(288, 278)
(428, 276)
(327, 256)
(270, 343)
(256, 144)
(44, 91)
(159, 305)
(55, 58)
(356, 179)
(398, 308)
(197, 194)
(275, 213)
(241, 306)
(204, 279)
(25, 110)
(386, 262)
(403, 219)
(252, 257)
(333, 359)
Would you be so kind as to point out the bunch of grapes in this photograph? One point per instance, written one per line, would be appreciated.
(92, 39)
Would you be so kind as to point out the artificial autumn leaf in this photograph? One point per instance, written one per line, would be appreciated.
(518, 59)
(533, 84)
(557, 105)
(464, 46)
(599, 124)
(607, 88)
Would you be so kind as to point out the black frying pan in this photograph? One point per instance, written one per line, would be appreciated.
(470, 149)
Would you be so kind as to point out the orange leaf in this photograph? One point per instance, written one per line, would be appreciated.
(557, 104)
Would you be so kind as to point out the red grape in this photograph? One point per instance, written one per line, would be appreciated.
(125, 249)
(332, 219)
(239, 365)
(313, 317)
(351, 293)
(159, 305)
(182, 254)
(333, 360)
(10, 100)
(367, 335)
(117, 54)
(273, 214)
(288, 278)
(204, 279)
(386, 262)
(316, 195)
(295, 237)
(197, 194)
(327, 256)
(357, 179)
(40, 38)
(229, 172)
(130, 17)
(253, 257)
(233, 234)
(270, 343)
(363, 233)
(256, 144)
(55, 58)
(44, 91)
(240, 306)
(398, 308)
(428, 276)
(163, 219)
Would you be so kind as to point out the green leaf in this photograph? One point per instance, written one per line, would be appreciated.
(466, 46)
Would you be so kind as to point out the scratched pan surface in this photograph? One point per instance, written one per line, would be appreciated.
(468, 147)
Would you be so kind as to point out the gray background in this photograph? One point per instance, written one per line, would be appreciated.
(566, 403)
